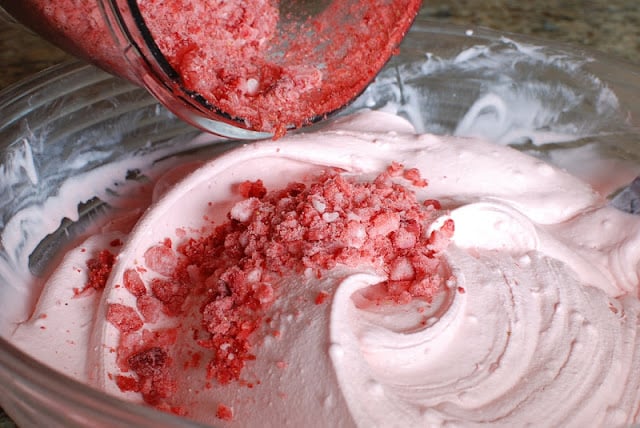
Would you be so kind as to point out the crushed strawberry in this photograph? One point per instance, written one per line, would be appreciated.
(127, 383)
(154, 380)
(161, 259)
(133, 283)
(252, 189)
(124, 318)
(224, 413)
(233, 272)
(413, 175)
(99, 268)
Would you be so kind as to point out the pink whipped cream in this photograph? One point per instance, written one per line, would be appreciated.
(493, 288)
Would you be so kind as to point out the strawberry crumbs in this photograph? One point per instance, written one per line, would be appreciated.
(234, 271)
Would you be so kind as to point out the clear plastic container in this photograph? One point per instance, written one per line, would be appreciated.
(191, 77)
(446, 80)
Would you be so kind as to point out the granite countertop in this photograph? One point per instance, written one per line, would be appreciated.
(611, 26)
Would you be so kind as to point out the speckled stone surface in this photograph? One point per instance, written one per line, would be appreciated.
(610, 26)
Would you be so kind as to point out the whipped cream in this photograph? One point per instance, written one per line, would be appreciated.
(535, 322)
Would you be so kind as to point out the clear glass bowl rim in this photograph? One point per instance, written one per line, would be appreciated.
(21, 369)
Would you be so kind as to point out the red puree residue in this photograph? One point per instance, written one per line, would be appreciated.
(235, 55)
(303, 229)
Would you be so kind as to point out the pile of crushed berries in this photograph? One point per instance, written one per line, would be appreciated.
(303, 229)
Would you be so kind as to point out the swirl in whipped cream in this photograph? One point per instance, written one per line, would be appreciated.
(535, 319)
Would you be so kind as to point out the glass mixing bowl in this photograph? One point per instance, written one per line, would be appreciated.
(577, 109)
